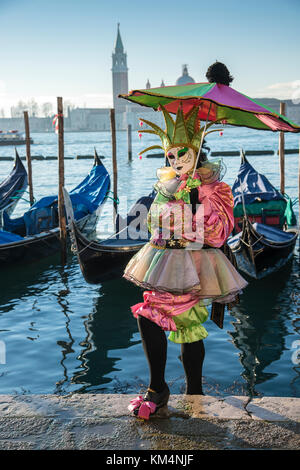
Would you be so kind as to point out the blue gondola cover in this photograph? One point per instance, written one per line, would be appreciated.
(256, 187)
(86, 198)
(8, 237)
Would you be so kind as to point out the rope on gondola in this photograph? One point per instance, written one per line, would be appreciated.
(22, 198)
(252, 244)
(106, 239)
(117, 201)
(294, 201)
(81, 251)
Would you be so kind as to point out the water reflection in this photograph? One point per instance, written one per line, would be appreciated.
(66, 346)
(261, 325)
(64, 335)
(110, 326)
(295, 321)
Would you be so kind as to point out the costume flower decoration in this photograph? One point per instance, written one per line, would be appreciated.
(185, 188)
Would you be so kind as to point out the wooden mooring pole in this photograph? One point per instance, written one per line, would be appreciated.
(281, 152)
(129, 140)
(61, 182)
(114, 162)
(28, 157)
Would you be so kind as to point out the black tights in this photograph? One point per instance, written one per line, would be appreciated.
(155, 346)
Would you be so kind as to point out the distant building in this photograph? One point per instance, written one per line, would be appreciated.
(119, 73)
(98, 119)
(185, 78)
(37, 124)
(92, 119)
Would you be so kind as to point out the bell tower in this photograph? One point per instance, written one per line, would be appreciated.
(119, 73)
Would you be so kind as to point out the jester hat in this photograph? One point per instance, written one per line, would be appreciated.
(185, 131)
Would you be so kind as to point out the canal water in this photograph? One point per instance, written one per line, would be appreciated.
(59, 334)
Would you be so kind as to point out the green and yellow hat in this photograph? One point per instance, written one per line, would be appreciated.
(184, 131)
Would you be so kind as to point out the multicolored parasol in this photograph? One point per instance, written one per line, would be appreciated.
(216, 102)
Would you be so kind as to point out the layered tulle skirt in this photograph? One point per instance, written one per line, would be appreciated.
(206, 273)
(181, 283)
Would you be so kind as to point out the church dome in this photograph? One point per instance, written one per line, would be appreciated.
(185, 78)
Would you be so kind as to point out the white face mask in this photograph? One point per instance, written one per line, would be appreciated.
(181, 159)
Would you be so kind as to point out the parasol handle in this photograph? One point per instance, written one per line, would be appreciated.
(201, 142)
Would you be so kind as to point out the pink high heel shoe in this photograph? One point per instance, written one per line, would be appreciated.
(144, 407)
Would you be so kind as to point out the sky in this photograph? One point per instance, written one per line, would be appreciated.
(63, 47)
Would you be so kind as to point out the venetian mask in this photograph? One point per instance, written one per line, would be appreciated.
(181, 159)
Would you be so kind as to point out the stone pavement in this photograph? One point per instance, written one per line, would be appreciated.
(96, 421)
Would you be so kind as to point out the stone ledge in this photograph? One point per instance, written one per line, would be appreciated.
(97, 421)
(108, 405)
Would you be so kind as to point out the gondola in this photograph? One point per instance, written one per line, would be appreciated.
(35, 235)
(258, 248)
(12, 188)
(102, 260)
(262, 242)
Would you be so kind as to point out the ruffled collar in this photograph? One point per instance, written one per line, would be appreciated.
(186, 176)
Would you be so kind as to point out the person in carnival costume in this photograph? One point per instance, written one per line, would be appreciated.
(182, 268)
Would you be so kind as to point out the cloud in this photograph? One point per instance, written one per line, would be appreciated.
(282, 90)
